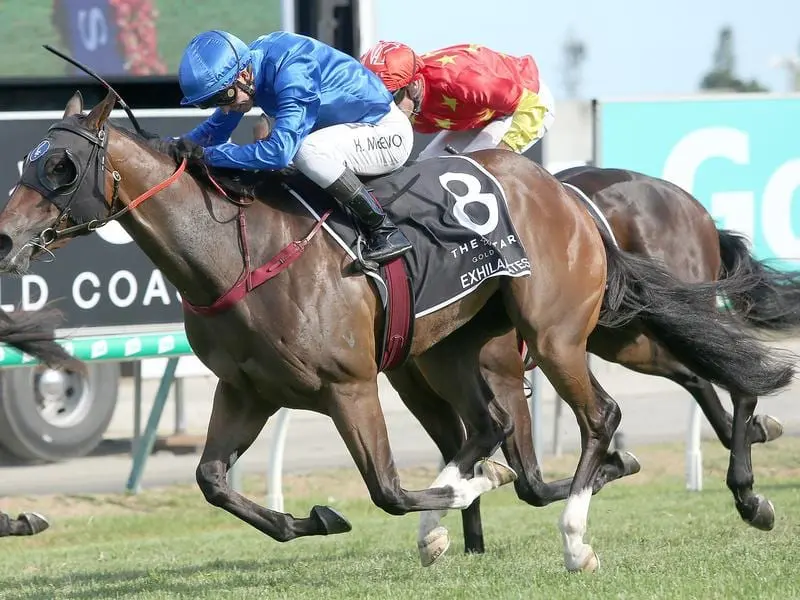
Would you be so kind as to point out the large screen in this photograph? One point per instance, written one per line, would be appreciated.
(119, 37)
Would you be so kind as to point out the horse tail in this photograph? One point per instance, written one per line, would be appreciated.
(34, 334)
(685, 319)
(772, 302)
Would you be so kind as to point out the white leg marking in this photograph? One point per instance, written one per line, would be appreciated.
(433, 539)
(573, 528)
(429, 519)
(464, 493)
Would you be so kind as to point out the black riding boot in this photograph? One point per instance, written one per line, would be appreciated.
(384, 240)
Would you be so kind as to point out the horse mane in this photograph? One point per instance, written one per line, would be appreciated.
(238, 184)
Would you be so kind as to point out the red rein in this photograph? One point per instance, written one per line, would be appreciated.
(249, 279)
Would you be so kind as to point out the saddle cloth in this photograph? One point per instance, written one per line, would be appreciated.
(453, 212)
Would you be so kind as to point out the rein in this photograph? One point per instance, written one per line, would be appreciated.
(54, 234)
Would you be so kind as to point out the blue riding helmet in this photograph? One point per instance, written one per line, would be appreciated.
(210, 64)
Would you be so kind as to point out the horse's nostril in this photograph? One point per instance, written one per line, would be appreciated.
(6, 243)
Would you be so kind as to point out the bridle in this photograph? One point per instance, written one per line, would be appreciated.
(82, 200)
(73, 198)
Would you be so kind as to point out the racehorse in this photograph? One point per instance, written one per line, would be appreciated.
(33, 333)
(308, 339)
(654, 218)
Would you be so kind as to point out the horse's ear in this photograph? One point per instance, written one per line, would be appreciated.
(101, 112)
(74, 106)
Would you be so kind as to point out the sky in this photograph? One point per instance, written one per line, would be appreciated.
(635, 47)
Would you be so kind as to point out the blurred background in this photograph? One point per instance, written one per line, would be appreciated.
(701, 93)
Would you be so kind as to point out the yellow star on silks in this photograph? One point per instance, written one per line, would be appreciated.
(473, 48)
(443, 123)
(451, 102)
(413, 119)
(447, 59)
(486, 114)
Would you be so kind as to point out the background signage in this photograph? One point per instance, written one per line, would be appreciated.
(738, 155)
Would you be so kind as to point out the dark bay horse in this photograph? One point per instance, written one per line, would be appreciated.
(655, 218)
(33, 333)
(308, 339)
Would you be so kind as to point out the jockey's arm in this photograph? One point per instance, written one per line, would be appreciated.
(297, 87)
(216, 129)
(509, 98)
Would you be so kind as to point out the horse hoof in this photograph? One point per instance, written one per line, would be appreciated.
(433, 545)
(764, 517)
(590, 565)
(331, 521)
(498, 473)
(629, 464)
(38, 523)
(770, 426)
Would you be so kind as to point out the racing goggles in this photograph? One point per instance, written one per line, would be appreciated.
(224, 97)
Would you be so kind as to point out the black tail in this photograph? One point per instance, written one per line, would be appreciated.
(684, 317)
(773, 301)
(33, 333)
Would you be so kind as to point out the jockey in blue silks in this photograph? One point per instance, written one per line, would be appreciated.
(333, 119)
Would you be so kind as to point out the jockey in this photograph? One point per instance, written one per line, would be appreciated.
(476, 98)
(333, 119)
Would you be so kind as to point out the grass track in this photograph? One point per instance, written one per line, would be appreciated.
(655, 540)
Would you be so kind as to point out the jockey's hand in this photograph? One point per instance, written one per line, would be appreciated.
(189, 150)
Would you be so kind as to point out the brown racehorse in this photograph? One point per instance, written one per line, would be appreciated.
(308, 339)
(33, 333)
(655, 218)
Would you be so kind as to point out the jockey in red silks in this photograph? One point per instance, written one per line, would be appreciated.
(474, 97)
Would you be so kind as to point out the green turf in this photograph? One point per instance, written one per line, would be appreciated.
(654, 539)
(25, 25)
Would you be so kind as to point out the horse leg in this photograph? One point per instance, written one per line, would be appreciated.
(642, 354)
(25, 524)
(598, 417)
(452, 369)
(556, 331)
(753, 508)
(236, 420)
(356, 412)
(502, 366)
(444, 426)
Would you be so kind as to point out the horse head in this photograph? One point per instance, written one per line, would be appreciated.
(66, 188)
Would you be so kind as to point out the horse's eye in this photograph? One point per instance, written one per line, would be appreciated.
(59, 172)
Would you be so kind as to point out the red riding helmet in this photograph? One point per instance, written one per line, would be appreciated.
(396, 64)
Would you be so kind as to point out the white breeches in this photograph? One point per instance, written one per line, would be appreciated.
(366, 149)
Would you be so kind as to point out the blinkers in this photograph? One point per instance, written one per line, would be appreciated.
(70, 173)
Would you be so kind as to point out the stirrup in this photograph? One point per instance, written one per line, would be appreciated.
(366, 265)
